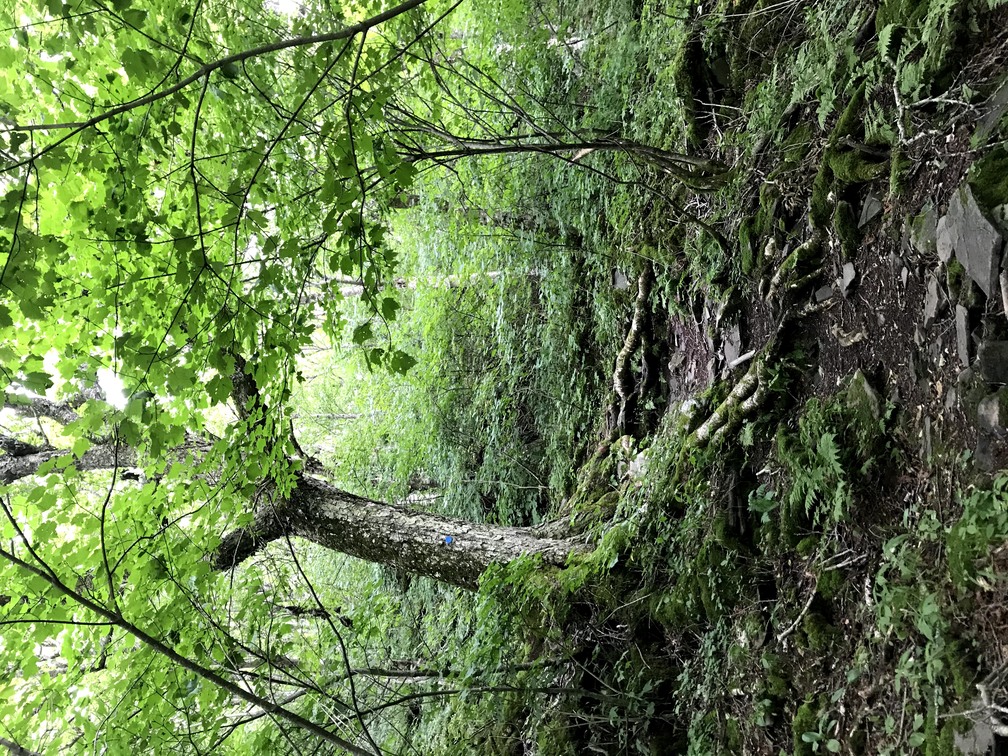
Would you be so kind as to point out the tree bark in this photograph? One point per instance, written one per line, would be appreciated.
(444, 548)
(447, 549)
(100, 457)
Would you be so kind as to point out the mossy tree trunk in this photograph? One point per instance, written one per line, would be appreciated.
(445, 548)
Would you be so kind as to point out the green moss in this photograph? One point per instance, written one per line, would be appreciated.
(794, 522)
(954, 278)
(962, 668)
(970, 295)
(747, 255)
(689, 69)
(850, 123)
(806, 719)
(846, 230)
(819, 206)
(830, 584)
(795, 148)
(732, 736)
(807, 546)
(988, 178)
(768, 538)
(899, 169)
(552, 737)
(778, 687)
(862, 409)
(676, 609)
(725, 534)
(819, 634)
(755, 230)
(852, 167)
(939, 741)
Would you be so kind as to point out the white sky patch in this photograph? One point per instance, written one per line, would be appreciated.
(112, 386)
(286, 7)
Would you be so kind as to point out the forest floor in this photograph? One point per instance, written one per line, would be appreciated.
(848, 577)
(829, 571)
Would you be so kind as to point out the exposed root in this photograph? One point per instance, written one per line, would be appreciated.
(786, 278)
(623, 382)
(744, 399)
(801, 615)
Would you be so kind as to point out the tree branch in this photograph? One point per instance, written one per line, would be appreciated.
(63, 413)
(14, 447)
(76, 128)
(183, 661)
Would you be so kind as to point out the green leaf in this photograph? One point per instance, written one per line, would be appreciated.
(362, 333)
(400, 362)
(389, 308)
(80, 447)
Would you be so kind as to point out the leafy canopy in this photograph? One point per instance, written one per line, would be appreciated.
(183, 185)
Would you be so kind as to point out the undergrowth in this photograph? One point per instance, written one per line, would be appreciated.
(793, 591)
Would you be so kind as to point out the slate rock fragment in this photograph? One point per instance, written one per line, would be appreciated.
(965, 231)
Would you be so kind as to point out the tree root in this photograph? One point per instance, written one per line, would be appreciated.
(786, 277)
(623, 383)
(745, 398)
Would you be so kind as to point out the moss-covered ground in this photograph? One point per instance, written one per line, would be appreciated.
(825, 568)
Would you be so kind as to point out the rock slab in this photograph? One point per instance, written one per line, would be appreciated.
(965, 231)
(992, 413)
(993, 359)
(962, 335)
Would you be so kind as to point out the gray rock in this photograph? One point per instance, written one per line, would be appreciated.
(979, 739)
(1003, 283)
(846, 280)
(869, 210)
(824, 293)
(993, 327)
(896, 262)
(983, 456)
(992, 413)
(997, 106)
(943, 242)
(993, 359)
(1000, 217)
(934, 301)
(977, 244)
(963, 341)
(951, 397)
(923, 231)
(732, 344)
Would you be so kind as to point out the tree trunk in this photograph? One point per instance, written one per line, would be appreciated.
(444, 548)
